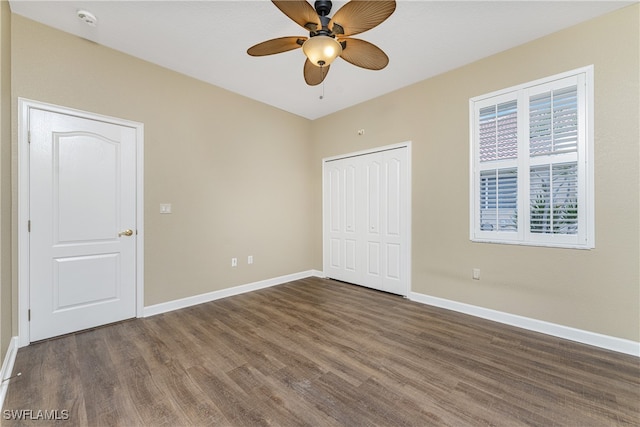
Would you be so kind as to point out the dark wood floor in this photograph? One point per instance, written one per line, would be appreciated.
(321, 353)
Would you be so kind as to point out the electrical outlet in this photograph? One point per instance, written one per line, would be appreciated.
(234, 262)
(250, 259)
(476, 274)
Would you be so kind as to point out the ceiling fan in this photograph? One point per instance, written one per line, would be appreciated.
(330, 37)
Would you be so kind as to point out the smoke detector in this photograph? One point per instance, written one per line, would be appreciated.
(87, 17)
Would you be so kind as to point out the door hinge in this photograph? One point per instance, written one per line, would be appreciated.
(29, 136)
(29, 226)
(29, 315)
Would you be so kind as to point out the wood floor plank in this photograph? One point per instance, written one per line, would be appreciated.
(317, 352)
(236, 408)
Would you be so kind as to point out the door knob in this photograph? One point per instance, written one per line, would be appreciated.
(125, 233)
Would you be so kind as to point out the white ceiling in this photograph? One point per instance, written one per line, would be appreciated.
(208, 40)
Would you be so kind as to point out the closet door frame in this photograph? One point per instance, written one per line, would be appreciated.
(407, 219)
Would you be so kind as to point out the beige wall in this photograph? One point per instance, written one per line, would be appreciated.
(596, 290)
(245, 178)
(5, 178)
(236, 171)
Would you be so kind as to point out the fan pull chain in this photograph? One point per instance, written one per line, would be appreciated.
(322, 71)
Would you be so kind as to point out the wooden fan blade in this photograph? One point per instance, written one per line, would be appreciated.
(301, 12)
(364, 54)
(279, 45)
(314, 75)
(358, 16)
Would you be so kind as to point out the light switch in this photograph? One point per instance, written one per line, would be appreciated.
(165, 208)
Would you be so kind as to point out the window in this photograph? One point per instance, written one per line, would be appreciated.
(532, 163)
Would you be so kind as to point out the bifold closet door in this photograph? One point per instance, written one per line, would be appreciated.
(342, 242)
(386, 217)
(366, 220)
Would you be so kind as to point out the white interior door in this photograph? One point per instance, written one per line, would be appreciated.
(366, 220)
(343, 193)
(82, 210)
(386, 221)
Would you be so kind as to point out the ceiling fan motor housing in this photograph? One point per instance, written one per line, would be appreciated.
(323, 7)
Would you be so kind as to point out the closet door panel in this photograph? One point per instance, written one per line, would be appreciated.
(372, 167)
(393, 257)
(393, 195)
(335, 254)
(342, 224)
(394, 233)
(351, 255)
(350, 200)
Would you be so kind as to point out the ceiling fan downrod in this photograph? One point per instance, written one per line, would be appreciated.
(323, 8)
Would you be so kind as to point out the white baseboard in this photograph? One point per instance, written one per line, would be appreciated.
(7, 368)
(598, 340)
(223, 293)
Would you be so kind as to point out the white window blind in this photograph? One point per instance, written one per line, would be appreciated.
(553, 122)
(531, 174)
(554, 199)
(499, 132)
(498, 199)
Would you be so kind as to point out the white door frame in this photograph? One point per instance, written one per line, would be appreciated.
(24, 106)
(406, 144)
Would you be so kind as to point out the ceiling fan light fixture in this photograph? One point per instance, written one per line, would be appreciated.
(322, 50)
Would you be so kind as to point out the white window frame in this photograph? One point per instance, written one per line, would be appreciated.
(584, 156)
